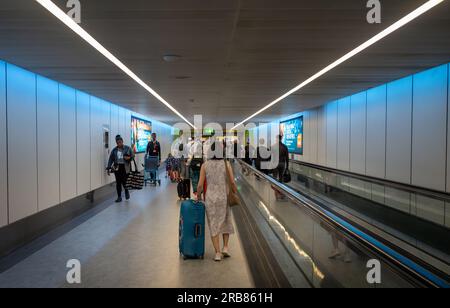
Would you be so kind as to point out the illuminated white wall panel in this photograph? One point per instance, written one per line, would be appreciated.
(22, 155)
(48, 143)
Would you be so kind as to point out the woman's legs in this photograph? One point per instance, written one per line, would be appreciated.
(118, 186)
(216, 243)
(121, 175)
(226, 239)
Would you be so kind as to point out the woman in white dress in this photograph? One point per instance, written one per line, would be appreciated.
(218, 212)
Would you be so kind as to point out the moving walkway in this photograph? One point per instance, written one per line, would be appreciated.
(322, 232)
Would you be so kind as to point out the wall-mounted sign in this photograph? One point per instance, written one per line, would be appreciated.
(292, 131)
(141, 134)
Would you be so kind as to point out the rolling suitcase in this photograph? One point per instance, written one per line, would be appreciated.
(187, 189)
(192, 229)
(184, 189)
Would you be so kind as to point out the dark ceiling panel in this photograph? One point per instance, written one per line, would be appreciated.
(238, 55)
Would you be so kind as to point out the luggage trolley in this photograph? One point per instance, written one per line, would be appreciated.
(151, 171)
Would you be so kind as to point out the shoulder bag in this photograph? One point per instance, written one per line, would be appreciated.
(232, 198)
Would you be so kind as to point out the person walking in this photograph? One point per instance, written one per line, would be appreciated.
(248, 159)
(282, 168)
(262, 156)
(195, 162)
(214, 171)
(283, 163)
(154, 151)
(120, 163)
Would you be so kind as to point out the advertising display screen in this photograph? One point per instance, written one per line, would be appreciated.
(292, 131)
(141, 131)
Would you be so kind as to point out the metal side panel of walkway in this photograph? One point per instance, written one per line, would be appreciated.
(133, 244)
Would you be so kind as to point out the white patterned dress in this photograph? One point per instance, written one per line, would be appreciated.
(217, 210)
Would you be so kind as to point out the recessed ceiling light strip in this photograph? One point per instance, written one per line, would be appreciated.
(62, 16)
(408, 18)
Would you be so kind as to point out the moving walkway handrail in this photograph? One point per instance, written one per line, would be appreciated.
(401, 186)
(397, 258)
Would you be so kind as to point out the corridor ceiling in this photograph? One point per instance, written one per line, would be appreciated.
(237, 55)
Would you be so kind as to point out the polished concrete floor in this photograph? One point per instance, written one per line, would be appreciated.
(134, 244)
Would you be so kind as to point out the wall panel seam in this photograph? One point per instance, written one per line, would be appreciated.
(90, 144)
(365, 138)
(76, 143)
(7, 145)
(412, 131)
(447, 135)
(446, 148)
(326, 135)
(37, 143)
(350, 139)
(59, 141)
(337, 134)
(385, 133)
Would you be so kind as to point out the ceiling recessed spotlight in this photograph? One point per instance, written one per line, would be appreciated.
(172, 58)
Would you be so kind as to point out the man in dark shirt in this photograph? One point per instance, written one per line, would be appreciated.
(236, 149)
(262, 156)
(154, 148)
(249, 154)
(282, 168)
(283, 163)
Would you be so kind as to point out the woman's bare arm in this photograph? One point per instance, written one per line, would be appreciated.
(201, 181)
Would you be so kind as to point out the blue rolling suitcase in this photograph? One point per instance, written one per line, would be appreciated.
(192, 229)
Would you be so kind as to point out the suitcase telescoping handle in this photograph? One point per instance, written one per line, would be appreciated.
(198, 230)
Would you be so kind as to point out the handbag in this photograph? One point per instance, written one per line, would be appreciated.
(232, 198)
(287, 176)
(135, 180)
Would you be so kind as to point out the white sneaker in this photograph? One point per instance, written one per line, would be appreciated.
(218, 257)
(225, 253)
